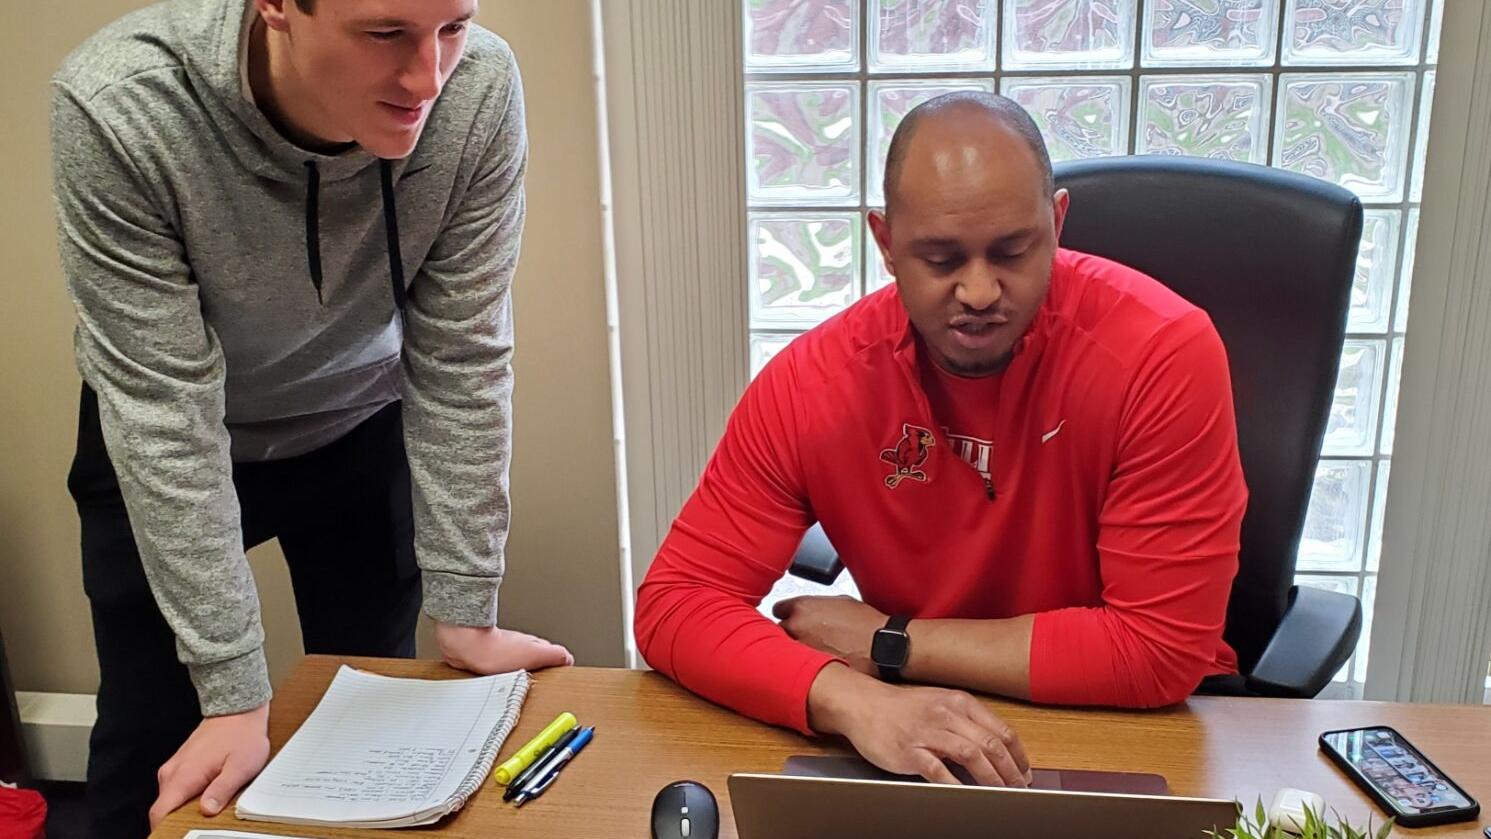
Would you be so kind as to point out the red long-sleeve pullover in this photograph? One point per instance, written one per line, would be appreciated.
(1095, 483)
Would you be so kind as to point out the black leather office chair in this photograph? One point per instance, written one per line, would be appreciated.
(1270, 256)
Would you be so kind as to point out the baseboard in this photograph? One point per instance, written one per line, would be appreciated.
(55, 728)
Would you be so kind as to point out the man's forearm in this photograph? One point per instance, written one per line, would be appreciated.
(990, 656)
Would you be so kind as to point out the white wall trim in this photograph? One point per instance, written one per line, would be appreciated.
(675, 129)
(1431, 633)
(55, 728)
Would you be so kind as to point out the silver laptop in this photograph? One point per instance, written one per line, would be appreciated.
(798, 807)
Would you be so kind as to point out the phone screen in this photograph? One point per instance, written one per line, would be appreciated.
(1397, 770)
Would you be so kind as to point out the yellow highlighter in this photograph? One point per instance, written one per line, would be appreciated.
(533, 748)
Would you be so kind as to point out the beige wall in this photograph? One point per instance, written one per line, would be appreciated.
(563, 573)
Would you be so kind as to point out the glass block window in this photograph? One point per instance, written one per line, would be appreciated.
(1335, 89)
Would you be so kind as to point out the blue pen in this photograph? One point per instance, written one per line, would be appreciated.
(537, 786)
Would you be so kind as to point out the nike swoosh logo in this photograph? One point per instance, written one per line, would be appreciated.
(1046, 438)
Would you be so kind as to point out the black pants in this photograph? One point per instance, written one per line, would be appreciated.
(343, 517)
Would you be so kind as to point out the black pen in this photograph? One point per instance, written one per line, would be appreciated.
(544, 781)
(539, 763)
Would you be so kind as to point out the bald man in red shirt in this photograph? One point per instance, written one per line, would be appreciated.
(1025, 455)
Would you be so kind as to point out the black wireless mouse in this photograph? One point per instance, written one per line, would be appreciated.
(685, 810)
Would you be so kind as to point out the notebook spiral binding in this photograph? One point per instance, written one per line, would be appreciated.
(473, 780)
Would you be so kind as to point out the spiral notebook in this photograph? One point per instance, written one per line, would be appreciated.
(384, 752)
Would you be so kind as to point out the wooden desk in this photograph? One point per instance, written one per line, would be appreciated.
(650, 732)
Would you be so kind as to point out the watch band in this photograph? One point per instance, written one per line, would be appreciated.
(896, 625)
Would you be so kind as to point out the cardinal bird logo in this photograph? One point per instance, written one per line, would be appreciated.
(908, 455)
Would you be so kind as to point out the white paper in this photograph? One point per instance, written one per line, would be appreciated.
(386, 752)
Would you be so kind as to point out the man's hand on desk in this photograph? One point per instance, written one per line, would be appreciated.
(840, 626)
(488, 649)
(912, 730)
(220, 757)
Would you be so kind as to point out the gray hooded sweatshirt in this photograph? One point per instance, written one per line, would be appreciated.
(240, 298)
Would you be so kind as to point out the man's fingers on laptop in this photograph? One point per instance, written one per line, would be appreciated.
(992, 753)
(930, 766)
(971, 756)
(1011, 740)
(1013, 776)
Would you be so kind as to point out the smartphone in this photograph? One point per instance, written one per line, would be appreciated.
(1398, 777)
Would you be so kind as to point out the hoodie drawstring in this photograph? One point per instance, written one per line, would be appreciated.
(313, 225)
(390, 228)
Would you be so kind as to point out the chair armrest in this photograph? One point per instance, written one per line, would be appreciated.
(816, 559)
(1315, 638)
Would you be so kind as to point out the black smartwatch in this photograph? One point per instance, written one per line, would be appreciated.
(891, 648)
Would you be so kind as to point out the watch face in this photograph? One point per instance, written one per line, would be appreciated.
(890, 648)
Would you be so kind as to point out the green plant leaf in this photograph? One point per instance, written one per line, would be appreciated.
(1316, 826)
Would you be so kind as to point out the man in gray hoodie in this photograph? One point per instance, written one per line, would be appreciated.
(289, 229)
